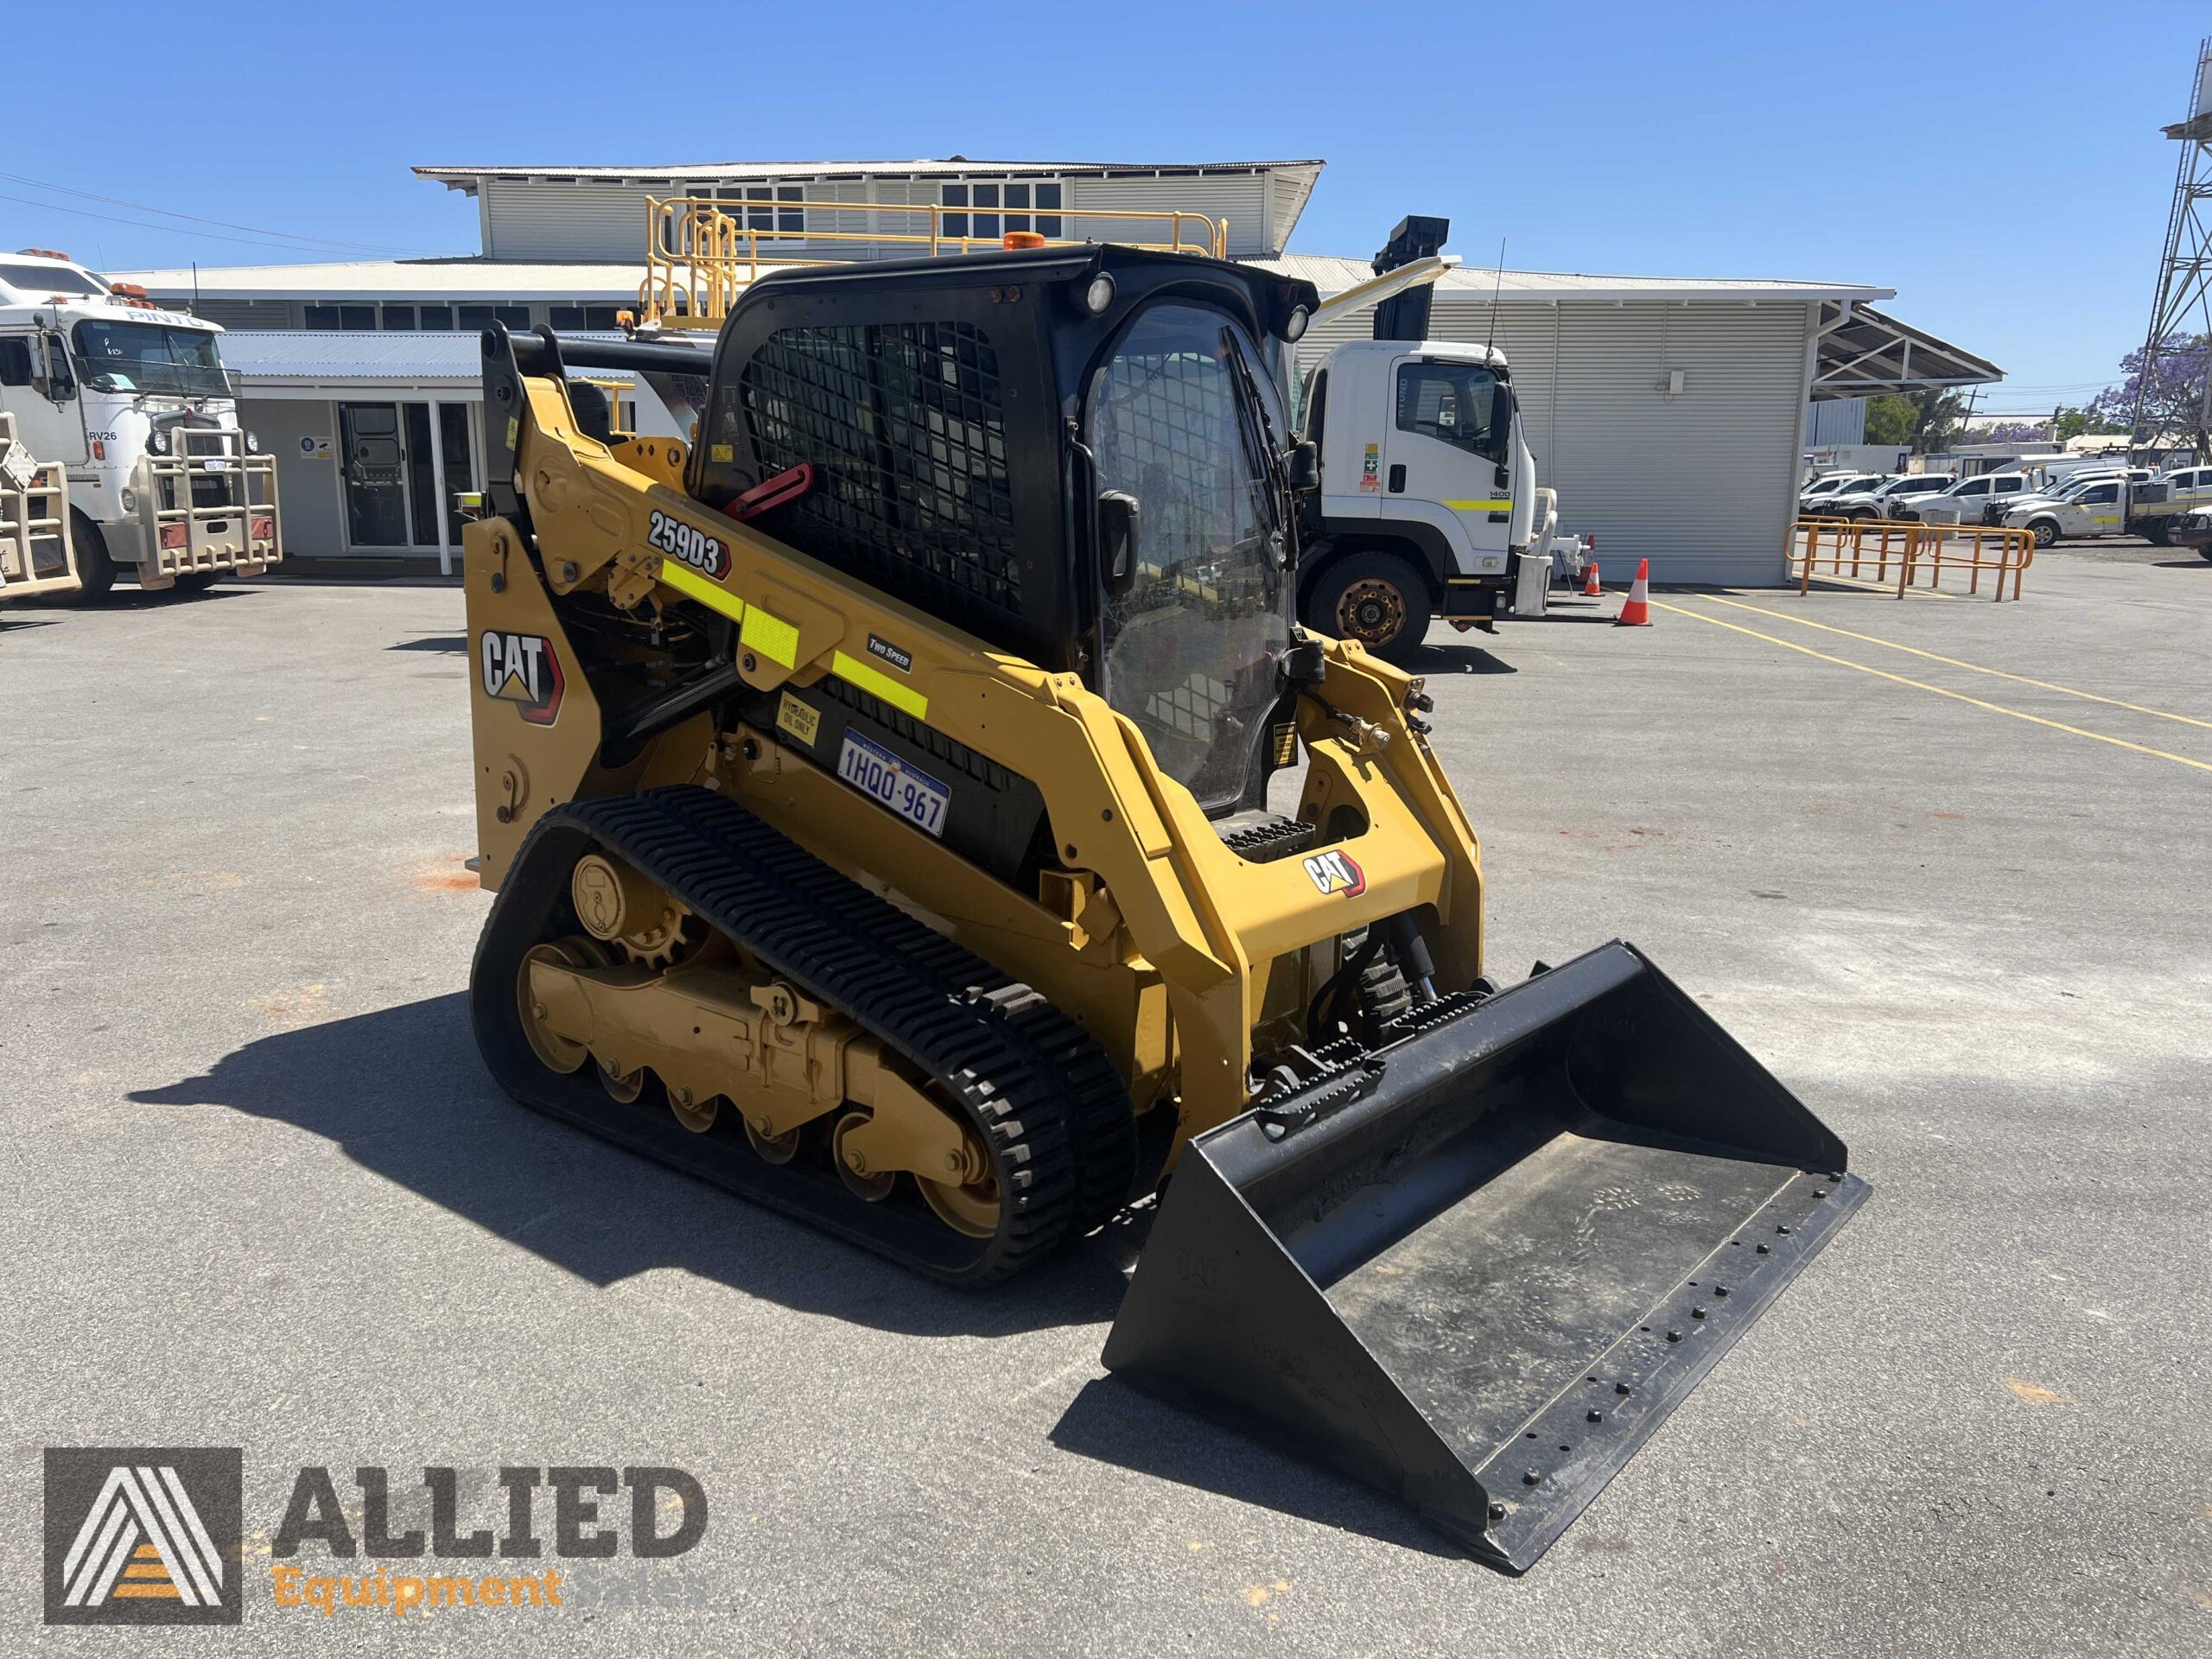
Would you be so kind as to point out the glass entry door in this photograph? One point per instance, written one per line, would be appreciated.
(394, 454)
(376, 483)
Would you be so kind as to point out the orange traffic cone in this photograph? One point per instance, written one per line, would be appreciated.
(1637, 614)
(1590, 587)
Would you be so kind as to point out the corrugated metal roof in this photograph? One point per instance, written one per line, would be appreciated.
(433, 279)
(925, 167)
(331, 355)
(398, 279)
(1333, 276)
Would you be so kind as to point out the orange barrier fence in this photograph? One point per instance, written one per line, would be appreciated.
(1878, 550)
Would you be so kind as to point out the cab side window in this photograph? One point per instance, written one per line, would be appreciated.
(1974, 487)
(2101, 493)
(15, 362)
(1458, 404)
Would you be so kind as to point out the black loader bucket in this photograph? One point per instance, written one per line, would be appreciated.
(1478, 1266)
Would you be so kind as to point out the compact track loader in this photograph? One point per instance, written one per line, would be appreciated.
(882, 796)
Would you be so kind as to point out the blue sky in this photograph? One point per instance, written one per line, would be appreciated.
(2001, 166)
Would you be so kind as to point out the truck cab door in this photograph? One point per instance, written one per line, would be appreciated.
(1344, 423)
(1448, 457)
(2099, 509)
(49, 421)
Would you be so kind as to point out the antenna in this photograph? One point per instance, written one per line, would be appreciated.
(2184, 269)
(1495, 290)
(195, 288)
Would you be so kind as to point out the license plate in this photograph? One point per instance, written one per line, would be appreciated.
(911, 794)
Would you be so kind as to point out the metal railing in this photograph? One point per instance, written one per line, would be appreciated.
(1870, 549)
(36, 554)
(701, 252)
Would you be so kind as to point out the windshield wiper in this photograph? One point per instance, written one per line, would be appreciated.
(1257, 430)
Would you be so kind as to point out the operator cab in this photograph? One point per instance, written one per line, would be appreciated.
(1078, 456)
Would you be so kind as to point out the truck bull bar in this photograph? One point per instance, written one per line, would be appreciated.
(35, 555)
(208, 505)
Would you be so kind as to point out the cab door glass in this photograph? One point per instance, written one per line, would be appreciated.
(1462, 404)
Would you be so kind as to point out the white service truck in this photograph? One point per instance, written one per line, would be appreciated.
(1427, 492)
(134, 401)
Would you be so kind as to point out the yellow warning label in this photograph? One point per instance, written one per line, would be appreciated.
(722, 451)
(798, 720)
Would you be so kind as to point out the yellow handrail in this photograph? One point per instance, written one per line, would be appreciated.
(1876, 544)
(699, 257)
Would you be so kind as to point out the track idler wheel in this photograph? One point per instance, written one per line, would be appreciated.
(871, 1185)
(556, 1052)
(971, 1207)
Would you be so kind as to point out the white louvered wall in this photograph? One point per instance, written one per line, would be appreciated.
(1241, 201)
(539, 220)
(1702, 485)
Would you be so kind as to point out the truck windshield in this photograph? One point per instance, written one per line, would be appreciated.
(1177, 419)
(149, 357)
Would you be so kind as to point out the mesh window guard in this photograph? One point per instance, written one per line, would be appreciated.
(904, 427)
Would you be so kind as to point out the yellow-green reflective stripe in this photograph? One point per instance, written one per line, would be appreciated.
(772, 637)
(692, 585)
(1480, 507)
(877, 683)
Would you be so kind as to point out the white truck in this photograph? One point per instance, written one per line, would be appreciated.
(1890, 500)
(2088, 507)
(134, 401)
(1427, 492)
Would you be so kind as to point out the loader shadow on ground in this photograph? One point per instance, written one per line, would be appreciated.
(445, 644)
(1456, 659)
(403, 1094)
(1113, 1423)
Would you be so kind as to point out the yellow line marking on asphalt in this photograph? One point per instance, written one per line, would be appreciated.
(1934, 657)
(1867, 585)
(1923, 685)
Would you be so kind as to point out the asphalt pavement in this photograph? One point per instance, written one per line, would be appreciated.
(1942, 864)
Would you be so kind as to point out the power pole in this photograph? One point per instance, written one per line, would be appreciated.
(2185, 269)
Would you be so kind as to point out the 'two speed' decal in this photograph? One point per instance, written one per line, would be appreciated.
(522, 669)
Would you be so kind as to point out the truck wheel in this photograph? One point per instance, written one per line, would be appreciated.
(1375, 598)
(95, 571)
(2159, 531)
(2045, 531)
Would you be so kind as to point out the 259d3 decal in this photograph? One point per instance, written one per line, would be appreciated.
(694, 546)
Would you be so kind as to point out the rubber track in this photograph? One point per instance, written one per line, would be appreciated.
(1036, 1084)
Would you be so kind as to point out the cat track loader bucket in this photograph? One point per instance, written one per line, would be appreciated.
(1478, 1266)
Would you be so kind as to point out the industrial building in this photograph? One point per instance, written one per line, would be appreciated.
(1671, 413)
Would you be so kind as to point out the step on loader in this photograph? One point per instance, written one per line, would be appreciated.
(912, 805)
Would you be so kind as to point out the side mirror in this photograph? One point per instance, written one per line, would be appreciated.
(1117, 540)
(60, 378)
(1306, 467)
